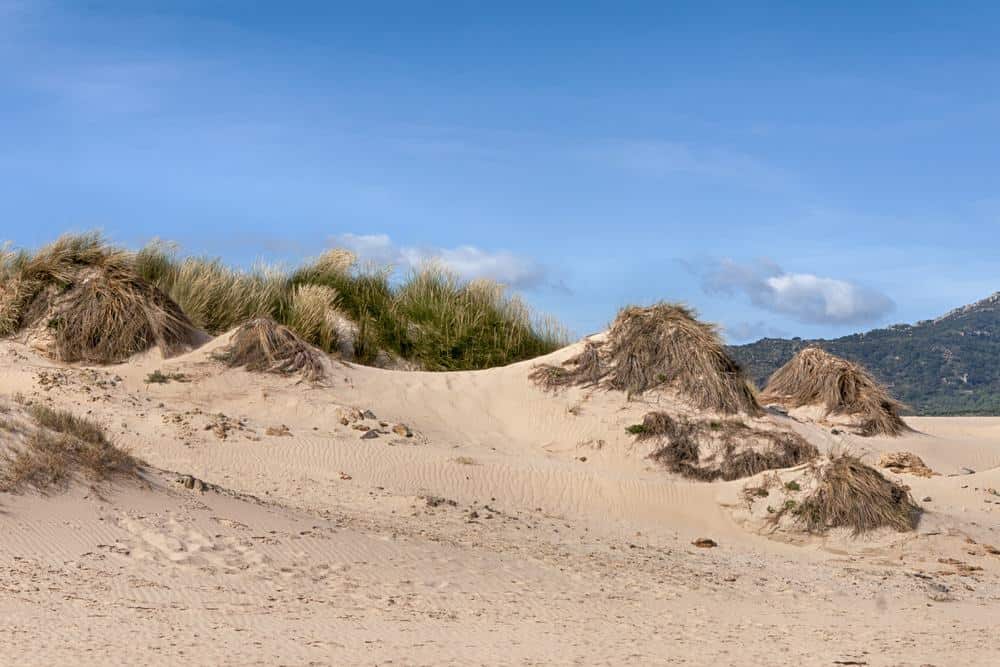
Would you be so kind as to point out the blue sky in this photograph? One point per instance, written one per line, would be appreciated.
(786, 170)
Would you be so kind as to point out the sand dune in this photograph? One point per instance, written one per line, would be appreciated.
(488, 522)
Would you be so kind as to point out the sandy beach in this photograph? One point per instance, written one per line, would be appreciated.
(485, 522)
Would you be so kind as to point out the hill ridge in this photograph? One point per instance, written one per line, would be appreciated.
(943, 366)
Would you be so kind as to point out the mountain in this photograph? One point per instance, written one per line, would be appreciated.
(946, 366)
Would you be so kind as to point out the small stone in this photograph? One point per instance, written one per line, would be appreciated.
(370, 434)
(368, 414)
(402, 430)
(835, 431)
(966, 471)
(926, 499)
(705, 543)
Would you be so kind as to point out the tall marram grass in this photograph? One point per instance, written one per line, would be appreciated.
(430, 317)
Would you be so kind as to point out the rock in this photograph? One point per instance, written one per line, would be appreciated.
(926, 499)
(368, 414)
(278, 430)
(905, 462)
(370, 434)
(966, 471)
(402, 430)
(835, 431)
(705, 543)
(777, 407)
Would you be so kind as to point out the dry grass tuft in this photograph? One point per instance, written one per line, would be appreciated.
(660, 346)
(310, 315)
(816, 377)
(263, 345)
(853, 494)
(92, 301)
(726, 450)
(55, 447)
(583, 369)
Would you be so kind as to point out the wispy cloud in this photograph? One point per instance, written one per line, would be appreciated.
(803, 296)
(665, 158)
(467, 261)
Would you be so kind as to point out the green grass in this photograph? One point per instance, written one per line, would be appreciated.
(430, 316)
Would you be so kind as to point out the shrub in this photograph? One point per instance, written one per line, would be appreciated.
(816, 377)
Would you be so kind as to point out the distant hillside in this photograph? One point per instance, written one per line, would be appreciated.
(946, 366)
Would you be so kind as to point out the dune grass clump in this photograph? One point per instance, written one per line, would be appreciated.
(56, 446)
(816, 377)
(430, 318)
(92, 301)
(583, 369)
(477, 324)
(852, 494)
(663, 345)
(709, 450)
(262, 345)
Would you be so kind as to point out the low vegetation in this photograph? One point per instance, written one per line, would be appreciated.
(49, 448)
(102, 304)
(263, 345)
(712, 450)
(88, 299)
(663, 345)
(851, 494)
(815, 377)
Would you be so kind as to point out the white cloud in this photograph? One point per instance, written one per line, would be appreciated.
(466, 261)
(802, 296)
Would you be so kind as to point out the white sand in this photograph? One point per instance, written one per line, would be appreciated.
(564, 545)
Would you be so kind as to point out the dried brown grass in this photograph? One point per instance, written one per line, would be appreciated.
(55, 447)
(660, 346)
(263, 345)
(735, 450)
(93, 302)
(816, 377)
(583, 369)
(853, 494)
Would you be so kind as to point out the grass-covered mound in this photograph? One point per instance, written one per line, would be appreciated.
(430, 317)
(43, 448)
(262, 345)
(816, 377)
(88, 303)
(112, 303)
(661, 346)
(850, 493)
(710, 450)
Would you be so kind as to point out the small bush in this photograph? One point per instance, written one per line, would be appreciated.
(263, 345)
(816, 377)
(663, 345)
(852, 494)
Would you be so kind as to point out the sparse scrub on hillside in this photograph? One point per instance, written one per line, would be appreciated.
(663, 345)
(816, 377)
(51, 447)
